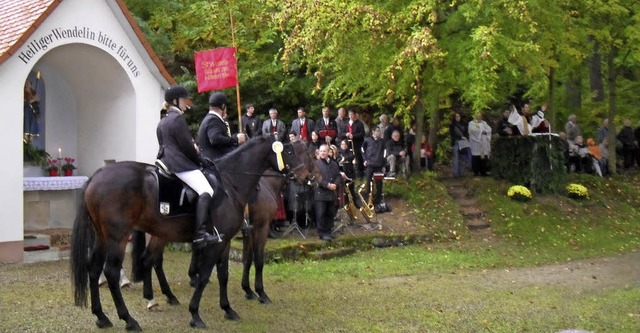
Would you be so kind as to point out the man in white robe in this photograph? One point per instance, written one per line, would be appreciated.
(480, 144)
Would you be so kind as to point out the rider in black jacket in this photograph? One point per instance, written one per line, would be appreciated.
(180, 156)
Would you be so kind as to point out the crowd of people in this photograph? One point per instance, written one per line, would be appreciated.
(346, 148)
(471, 141)
(592, 155)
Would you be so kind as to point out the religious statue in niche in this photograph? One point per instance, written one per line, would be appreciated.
(32, 110)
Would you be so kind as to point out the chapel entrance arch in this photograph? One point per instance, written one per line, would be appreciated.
(91, 106)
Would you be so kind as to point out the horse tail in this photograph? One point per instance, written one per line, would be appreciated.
(138, 246)
(82, 238)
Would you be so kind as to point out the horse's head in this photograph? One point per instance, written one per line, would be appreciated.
(309, 159)
(299, 163)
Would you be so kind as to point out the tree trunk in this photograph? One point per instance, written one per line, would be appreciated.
(574, 91)
(550, 104)
(419, 110)
(595, 73)
(611, 67)
(434, 126)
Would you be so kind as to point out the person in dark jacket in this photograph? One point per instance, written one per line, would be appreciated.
(326, 127)
(325, 196)
(396, 155)
(626, 137)
(353, 130)
(180, 156)
(346, 160)
(459, 144)
(214, 135)
(374, 162)
(302, 126)
(251, 123)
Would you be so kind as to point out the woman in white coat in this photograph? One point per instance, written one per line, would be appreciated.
(480, 144)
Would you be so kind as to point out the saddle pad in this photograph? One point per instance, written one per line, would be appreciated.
(173, 197)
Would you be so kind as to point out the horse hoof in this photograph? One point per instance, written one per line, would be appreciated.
(197, 323)
(104, 323)
(231, 315)
(265, 300)
(173, 301)
(251, 295)
(133, 326)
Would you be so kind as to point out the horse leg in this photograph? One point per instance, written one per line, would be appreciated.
(202, 261)
(193, 267)
(162, 279)
(147, 283)
(115, 256)
(247, 259)
(223, 281)
(96, 264)
(259, 243)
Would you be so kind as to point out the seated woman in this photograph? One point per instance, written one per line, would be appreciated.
(597, 159)
(579, 157)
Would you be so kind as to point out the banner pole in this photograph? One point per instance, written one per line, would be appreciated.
(233, 41)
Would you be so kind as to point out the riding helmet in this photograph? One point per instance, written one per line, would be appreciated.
(218, 99)
(175, 92)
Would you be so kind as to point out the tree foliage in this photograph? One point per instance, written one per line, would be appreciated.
(411, 57)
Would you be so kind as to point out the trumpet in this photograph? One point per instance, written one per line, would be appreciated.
(350, 206)
(353, 150)
(367, 209)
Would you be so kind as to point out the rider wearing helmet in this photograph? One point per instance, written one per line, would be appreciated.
(180, 156)
(214, 136)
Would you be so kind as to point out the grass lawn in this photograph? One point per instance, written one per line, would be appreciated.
(505, 284)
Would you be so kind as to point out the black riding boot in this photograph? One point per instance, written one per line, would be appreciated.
(202, 237)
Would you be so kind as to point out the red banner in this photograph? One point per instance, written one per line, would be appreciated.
(216, 69)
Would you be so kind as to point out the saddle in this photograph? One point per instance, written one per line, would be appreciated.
(177, 198)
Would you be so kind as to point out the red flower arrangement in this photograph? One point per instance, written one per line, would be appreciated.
(68, 166)
(53, 166)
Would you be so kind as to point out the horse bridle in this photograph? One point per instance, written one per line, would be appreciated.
(289, 174)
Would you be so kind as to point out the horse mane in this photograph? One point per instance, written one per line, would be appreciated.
(237, 153)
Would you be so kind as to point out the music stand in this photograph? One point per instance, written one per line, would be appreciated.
(294, 223)
(293, 226)
(344, 225)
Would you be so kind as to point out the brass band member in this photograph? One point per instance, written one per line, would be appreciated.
(326, 194)
(374, 162)
(353, 129)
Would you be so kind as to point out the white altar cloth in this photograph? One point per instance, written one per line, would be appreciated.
(53, 183)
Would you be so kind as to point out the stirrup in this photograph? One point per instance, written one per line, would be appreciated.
(246, 226)
(217, 238)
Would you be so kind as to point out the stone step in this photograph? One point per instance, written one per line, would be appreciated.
(458, 192)
(51, 254)
(471, 212)
(330, 254)
(478, 224)
(36, 240)
(466, 202)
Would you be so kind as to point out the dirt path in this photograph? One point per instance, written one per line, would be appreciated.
(608, 272)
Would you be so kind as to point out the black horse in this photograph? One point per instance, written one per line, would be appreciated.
(121, 197)
(262, 207)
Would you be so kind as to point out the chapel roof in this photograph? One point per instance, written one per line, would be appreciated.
(19, 19)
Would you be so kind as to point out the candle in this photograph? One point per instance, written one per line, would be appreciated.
(59, 152)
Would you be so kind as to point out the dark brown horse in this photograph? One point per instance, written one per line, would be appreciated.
(262, 212)
(121, 197)
(262, 207)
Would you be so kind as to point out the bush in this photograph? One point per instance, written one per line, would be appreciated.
(535, 161)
